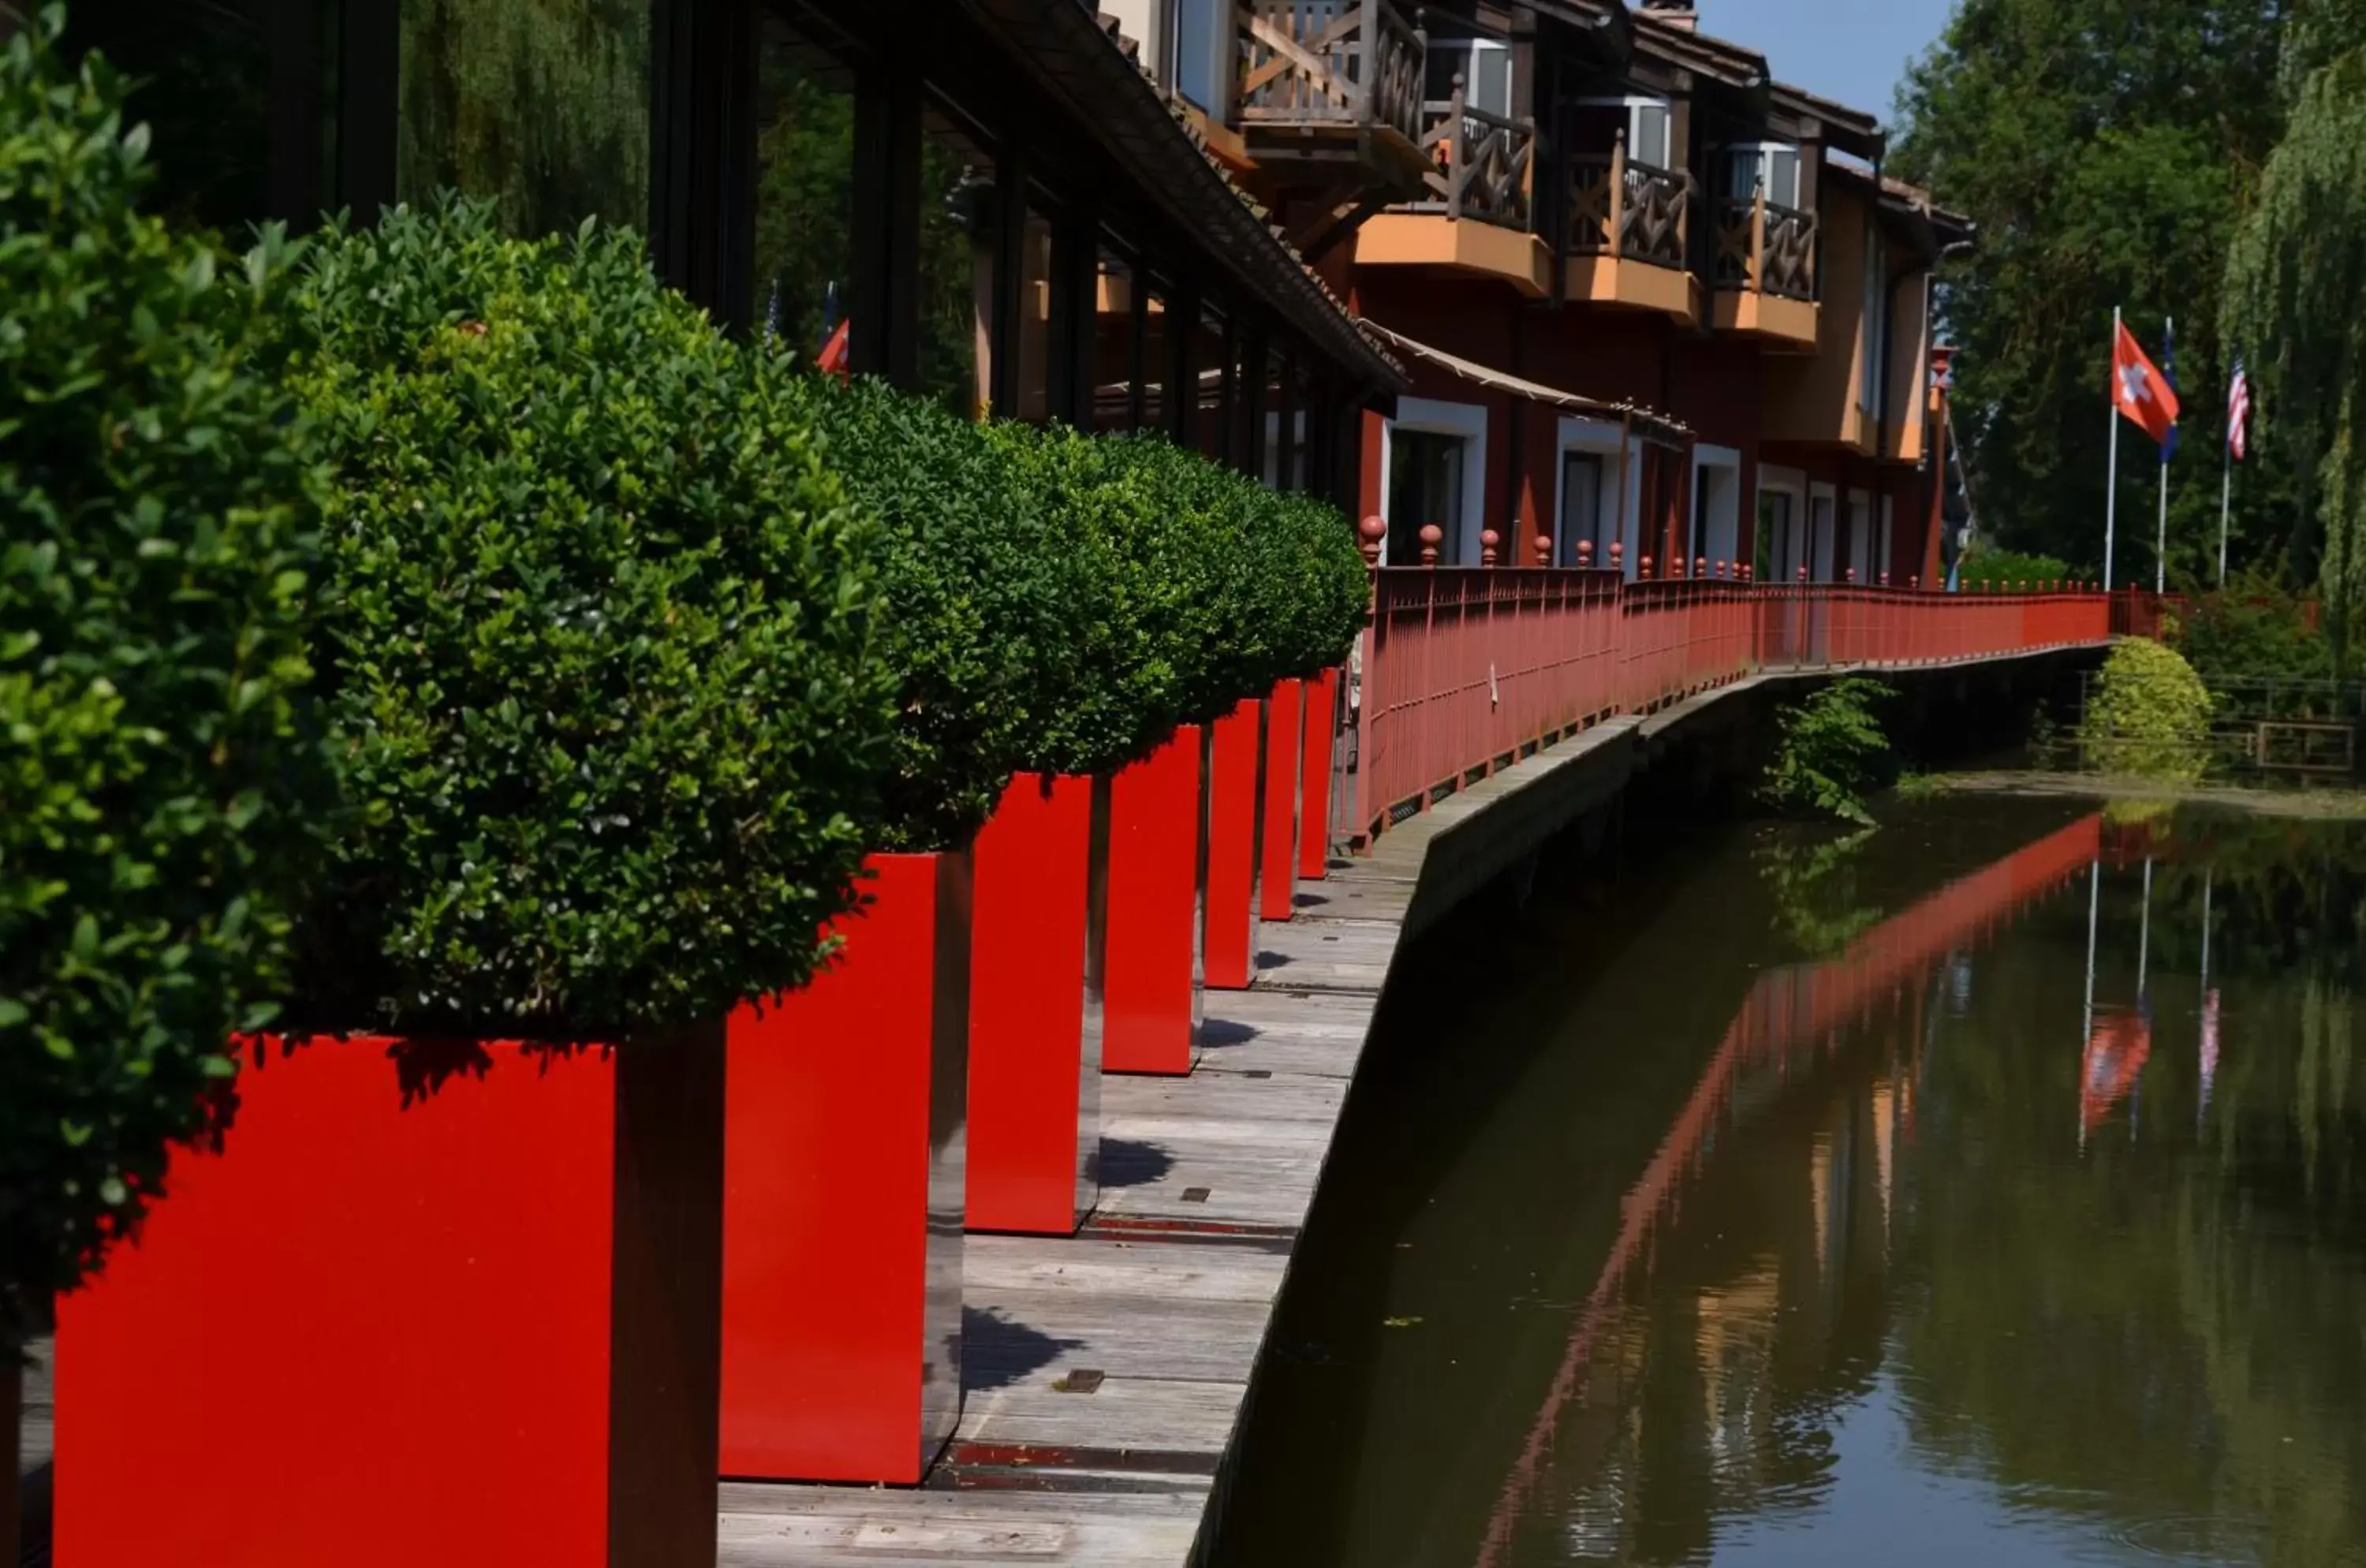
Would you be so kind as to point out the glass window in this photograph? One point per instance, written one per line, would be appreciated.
(1425, 488)
(1484, 65)
(956, 265)
(1581, 508)
(1200, 53)
(203, 81)
(1777, 165)
(1778, 553)
(1647, 134)
(803, 278)
(1820, 529)
(1112, 343)
(1782, 175)
(544, 108)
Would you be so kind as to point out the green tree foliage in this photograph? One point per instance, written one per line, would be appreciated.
(2296, 285)
(1830, 749)
(2147, 713)
(157, 537)
(2255, 630)
(2106, 149)
(542, 105)
(597, 643)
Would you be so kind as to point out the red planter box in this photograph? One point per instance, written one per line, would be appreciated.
(842, 1197)
(1236, 760)
(432, 1303)
(1157, 808)
(1277, 840)
(1037, 954)
(1315, 776)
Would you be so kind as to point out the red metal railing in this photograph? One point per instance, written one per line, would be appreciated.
(1467, 670)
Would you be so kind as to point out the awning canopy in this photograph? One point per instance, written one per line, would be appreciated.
(1647, 423)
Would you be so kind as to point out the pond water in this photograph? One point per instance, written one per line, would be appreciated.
(1986, 1190)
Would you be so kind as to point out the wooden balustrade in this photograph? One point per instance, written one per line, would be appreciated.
(1485, 161)
(1357, 63)
(1765, 246)
(1625, 208)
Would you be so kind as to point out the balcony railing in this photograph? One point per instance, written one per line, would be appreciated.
(1623, 207)
(1764, 246)
(1484, 161)
(1341, 62)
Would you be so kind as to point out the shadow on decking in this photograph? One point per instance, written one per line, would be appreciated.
(1215, 1033)
(1128, 1163)
(997, 1351)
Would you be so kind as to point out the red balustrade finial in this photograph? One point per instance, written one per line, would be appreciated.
(1748, 569)
(1544, 549)
(1803, 572)
(1372, 531)
(1618, 555)
(1985, 587)
(1721, 569)
(1490, 542)
(1584, 553)
(1915, 580)
(1884, 579)
(1700, 566)
(1431, 534)
(1848, 574)
(1643, 566)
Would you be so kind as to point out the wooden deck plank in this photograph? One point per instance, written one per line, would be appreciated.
(783, 1527)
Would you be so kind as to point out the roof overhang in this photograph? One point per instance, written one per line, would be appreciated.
(1647, 421)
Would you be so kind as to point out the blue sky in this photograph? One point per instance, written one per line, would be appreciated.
(1854, 51)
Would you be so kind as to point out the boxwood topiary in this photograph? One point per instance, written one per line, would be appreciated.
(597, 646)
(159, 541)
(989, 616)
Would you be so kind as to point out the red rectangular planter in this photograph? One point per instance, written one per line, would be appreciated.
(1157, 808)
(1277, 840)
(1315, 776)
(1037, 953)
(842, 1195)
(1235, 761)
(431, 1302)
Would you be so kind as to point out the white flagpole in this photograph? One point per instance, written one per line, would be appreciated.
(2161, 541)
(2111, 480)
(2225, 493)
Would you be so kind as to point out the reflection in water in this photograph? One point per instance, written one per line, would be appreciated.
(1838, 1279)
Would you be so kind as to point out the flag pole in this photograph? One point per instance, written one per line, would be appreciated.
(2225, 493)
(2111, 473)
(2161, 541)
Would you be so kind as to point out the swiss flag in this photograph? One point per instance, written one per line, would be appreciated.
(2138, 388)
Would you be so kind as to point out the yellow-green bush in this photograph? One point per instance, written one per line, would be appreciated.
(2147, 713)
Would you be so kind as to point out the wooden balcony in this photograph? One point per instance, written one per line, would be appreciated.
(1475, 215)
(1766, 271)
(1630, 235)
(1329, 96)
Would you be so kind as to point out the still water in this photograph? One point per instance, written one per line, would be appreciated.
(1986, 1190)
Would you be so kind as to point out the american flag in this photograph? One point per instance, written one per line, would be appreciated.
(2238, 411)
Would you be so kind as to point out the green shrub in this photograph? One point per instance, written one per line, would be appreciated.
(159, 542)
(2255, 631)
(2147, 713)
(2002, 569)
(596, 646)
(986, 610)
(1830, 750)
(1223, 587)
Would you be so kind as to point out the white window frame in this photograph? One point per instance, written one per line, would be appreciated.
(1762, 149)
(1602, 438)
(1631, 102)
(1719, 534)
(1438, 417)
(1477, 47)
(1792, 482)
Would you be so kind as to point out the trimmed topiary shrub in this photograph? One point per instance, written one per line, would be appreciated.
(597, 647)
(158, 549)
(988, 612)
(2147, 713)
(1223, 587)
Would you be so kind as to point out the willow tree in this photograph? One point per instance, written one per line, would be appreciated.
(2296, 293)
